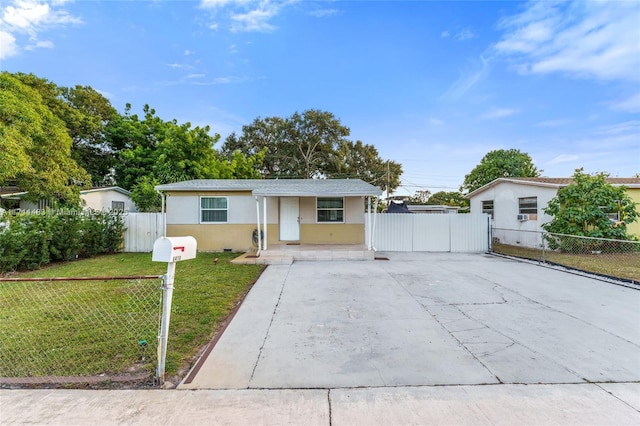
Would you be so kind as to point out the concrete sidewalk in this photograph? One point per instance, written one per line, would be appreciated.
(584, 404)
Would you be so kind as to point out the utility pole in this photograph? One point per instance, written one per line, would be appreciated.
(388, 181)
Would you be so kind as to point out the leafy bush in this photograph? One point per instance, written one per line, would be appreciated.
(29, 241)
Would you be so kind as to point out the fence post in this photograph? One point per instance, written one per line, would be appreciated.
(167, 296)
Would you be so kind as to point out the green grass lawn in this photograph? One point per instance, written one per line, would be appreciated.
(75, 325)
(619, 265)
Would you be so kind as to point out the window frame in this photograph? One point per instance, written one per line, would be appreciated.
(486, 210)
(201, 210)
(318, 209)
(117, 208)
(525, 209)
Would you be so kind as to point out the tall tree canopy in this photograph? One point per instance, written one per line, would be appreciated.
(152, 151)
(85, 113)
(446, 198)
(313, 144)
(584, 207)
(35, 147)
(498, 164)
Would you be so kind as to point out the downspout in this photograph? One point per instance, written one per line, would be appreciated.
(258, 225)
(164, 215)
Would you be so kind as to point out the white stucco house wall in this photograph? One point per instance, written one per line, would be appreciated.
(516, 206)
(108, 198)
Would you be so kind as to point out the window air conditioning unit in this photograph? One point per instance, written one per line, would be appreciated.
(523, 217)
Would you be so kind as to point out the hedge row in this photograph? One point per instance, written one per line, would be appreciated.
(29, 241)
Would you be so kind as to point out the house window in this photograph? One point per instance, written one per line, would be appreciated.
(330, 209)
(528, 205)
(487, 207)
(214, 209)
(117, 206)
(613, 215)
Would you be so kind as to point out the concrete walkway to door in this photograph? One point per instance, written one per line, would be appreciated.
(422, 319)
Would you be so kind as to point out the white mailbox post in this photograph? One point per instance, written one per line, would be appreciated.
(170, 250)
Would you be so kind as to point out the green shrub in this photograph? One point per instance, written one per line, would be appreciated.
(29, 241)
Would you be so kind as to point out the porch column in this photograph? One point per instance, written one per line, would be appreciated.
(373, 225)
(369, 227)
(258, 222)
(264, 221)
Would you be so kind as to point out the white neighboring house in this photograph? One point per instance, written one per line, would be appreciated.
(107, 198)
(516, 204)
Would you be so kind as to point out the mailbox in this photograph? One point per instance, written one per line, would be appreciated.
(174, 249)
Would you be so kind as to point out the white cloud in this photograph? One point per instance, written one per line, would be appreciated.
(630, 104)
(254, 20)
(195, 75)
(8, 46)
(20, 18)
(626, 127)
(323, 13)
(188, 52)
(586, 39)
(468, 78)
(435, 121)
(564, 158)
(465, 35)
(499, 113)
(553, 123)
(248, 15)
(445, 34)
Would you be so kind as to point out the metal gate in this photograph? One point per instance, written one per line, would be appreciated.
(462, 233)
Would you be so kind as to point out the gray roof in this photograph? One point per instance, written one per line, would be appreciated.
(279, 187)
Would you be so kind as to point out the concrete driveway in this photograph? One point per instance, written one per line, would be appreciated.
(372, 343)
(425, 319)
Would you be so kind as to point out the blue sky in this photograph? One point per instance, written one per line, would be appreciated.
(433, 85)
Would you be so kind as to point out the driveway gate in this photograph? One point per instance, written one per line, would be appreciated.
(462, 233)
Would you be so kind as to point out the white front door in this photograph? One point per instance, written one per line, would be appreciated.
(289, 219)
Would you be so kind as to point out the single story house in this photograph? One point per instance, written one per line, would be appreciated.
(516, 204)
(223, 214)
(106, 198)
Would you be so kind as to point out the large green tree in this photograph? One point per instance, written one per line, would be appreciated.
(312, 144)
(85, 113)
(362, 161)
(499, 163)
(584, 208)
(152, 151)
(35, 147)
(448, 198)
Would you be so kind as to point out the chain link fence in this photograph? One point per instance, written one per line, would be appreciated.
(66, 330)
(619, 259)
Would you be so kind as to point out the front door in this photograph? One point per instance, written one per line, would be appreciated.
(289, 219)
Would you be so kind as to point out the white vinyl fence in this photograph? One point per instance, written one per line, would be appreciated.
(142, 230)
(431, 232)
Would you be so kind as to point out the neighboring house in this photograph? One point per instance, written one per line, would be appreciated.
(433, 209)
(518, 203)
(108, 198)
(223, 214)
